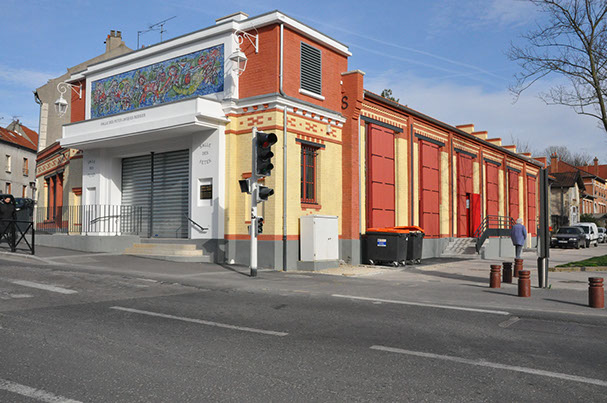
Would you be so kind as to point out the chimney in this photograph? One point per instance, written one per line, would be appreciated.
(596, 166)
(113, 41)
(554, 163)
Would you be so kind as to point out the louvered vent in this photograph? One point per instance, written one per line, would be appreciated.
(311, 69)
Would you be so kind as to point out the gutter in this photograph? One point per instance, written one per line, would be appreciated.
(284, 153)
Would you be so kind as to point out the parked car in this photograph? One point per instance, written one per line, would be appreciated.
(591, 231)
(602, 235)
(568, 237)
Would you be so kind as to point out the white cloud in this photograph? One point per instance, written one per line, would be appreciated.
(481, 14)
(24, 77)
(528, 120)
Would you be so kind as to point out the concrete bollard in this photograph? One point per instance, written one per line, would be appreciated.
(524, 283)
(596, 293)
(518, 266)
(494, 279)
(507, 273)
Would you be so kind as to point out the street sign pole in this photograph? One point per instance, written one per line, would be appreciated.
(543, 233)
(254, 188)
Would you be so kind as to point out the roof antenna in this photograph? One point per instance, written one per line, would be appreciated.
(159, 26)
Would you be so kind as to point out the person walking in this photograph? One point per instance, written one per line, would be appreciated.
(518, 234)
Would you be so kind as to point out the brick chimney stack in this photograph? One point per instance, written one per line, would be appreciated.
(554, 163)
(596, 166)
(113, 41)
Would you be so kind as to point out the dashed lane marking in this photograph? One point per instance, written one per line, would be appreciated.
(453, 307)
(509, 322)
(33, 393)
(201, 322)
(46, 287)
(494, 365)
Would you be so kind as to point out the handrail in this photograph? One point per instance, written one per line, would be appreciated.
(96, 220)
(202, 229)
(492, 225)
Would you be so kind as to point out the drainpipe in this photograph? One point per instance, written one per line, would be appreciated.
(361, 177)
(412, 175)
(284, 157)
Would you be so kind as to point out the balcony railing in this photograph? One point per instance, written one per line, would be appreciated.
(97, 219)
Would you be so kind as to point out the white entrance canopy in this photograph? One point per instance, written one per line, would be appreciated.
(154, 123)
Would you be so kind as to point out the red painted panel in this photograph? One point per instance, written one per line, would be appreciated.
(464, 190)
(513, 203)
(531, 206)
(380, 177)
(475, 211)
(492, 190)
(430, 188)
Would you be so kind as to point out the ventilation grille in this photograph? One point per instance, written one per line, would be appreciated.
(311, 69)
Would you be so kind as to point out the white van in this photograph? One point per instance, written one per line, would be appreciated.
(591, 231)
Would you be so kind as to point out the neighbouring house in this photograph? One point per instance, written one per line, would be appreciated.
(166, 134)
(565, 196)
(18, 146)
(58, 173)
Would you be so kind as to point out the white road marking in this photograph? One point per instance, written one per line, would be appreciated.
(202, 322)
(45, 287)
(389, 301)
(494, 365)
(509, 322)
(37, 394)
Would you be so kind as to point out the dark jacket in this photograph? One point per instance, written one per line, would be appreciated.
(7, 211)
(518, 234)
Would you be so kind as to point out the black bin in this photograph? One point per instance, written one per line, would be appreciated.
(24, 211)
(386, 246)
(414, 248)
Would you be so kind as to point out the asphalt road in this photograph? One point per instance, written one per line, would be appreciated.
(80, 336)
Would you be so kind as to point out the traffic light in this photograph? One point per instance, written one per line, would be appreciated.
(263, 192)
(263, 153)
(260, 225)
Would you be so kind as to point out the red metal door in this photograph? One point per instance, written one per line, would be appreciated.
(513, 194)
(430, 188)
(464, 189)
(531, 206)
(475, 212)
(380, 177)
(492, 190)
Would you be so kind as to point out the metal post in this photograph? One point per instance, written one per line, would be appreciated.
(543, 233)
(254, 188)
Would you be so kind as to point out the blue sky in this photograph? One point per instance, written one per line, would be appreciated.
(444, 58)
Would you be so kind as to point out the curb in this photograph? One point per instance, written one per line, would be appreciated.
(581, 268)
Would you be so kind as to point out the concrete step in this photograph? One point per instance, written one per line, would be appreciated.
(459, 247)
(181, 252)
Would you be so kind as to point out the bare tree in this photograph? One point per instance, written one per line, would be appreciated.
(564, 154)
(571, 43)
(522, 146)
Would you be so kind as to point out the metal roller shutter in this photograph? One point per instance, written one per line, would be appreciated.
(161, 190)
(171, 206)
(136, 194)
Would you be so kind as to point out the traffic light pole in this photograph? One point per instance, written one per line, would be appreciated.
(254, 188)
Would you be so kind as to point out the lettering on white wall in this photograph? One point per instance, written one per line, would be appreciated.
(205, 155)
(122, 119)
(91, 167)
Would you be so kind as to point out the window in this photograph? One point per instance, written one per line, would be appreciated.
(308, 174)
(8, 188)
(24, 193)
(8, 163)
(311, 70)
(25, 167)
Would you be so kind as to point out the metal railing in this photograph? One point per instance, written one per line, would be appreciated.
(92, 219)
(14, 233)
(194, 223)
(492, 225)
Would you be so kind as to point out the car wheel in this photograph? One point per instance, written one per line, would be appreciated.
(596, 244)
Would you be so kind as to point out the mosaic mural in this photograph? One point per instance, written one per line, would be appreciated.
(186, 76)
